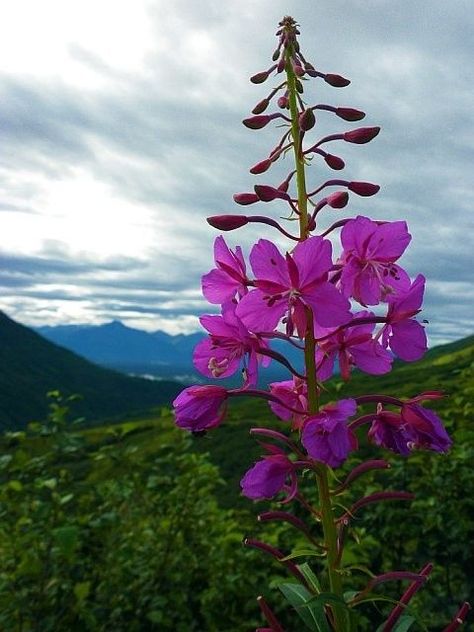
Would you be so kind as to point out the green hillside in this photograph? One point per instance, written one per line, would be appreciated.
(30, 366)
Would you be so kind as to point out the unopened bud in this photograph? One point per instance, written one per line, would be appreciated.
(336, 80)
(276, 54)
(244, 199)
(310, 69)
(365, 189)
(261, 106)
(338, 199)
(227, 222)
(260, 77)
(350, 114)
(266, 193)
(298, 70)
(257, 122)
(283, 102)
(311, 222)
(281, 64)
(361, 135)
(334, 162)
(306, 120)
(261, 167)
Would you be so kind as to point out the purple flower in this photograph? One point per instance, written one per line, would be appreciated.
(286, 284)
(326, 436)
(353, 346)
(268, 477)
(405, 336)
(200, 407)
(369, 272)
(229, 342)
(414, 427)
(293, 394)
(229, 277)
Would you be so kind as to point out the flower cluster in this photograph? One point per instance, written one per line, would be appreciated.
(346, 302)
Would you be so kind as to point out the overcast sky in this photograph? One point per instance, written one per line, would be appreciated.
(120, 125)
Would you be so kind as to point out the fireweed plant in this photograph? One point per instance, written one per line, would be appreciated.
(322, 303)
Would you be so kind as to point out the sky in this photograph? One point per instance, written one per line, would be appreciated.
(120, 132)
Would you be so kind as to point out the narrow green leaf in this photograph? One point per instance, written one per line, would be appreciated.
(311, 613)
(303, 553)
(307, 572)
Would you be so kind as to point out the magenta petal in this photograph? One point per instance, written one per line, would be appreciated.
(313, 258)
(391, 241)
(408, 340)
(218, 287)
(410, 303)
(214, 361)
(372, 358)
(266, 478)
(268, 264)
(256, 314)
(330, 308)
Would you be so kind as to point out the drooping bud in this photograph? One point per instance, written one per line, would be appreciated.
(227, 222)
(257, 122)
(311, 223)
(306, 120)
(283, 102)
(281, 64)
(334, 162)
(365, 189)
(267, 193)
(284, 186)
(261, 167)
(260, 77)
(350, 114)
(298, 70)
(339, 199)
(361, 135)
(310, 69)
(261, 106)
(336, 80)
(244, 199)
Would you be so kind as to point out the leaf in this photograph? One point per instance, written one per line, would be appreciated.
(310, 576)
(403, 624)
(311, 613)
(16, 486)
(82, 590)
(303, 553)
(67, 539)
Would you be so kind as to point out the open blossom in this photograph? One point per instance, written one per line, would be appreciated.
(200, 407)
(413, 427)
(352, 346)
(269, 476)
(228, 345)
(326, 435)
(293, 394)
(369, 272)
(285, 285)
(228, 279)
(405, 335)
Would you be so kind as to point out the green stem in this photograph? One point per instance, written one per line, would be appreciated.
(327, 513)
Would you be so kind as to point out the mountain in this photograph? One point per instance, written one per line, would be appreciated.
(30, 366)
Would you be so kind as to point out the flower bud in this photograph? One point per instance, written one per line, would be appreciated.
(244, 199)
(266, 193)
(336, 80)
(260, 77)
(349, 114)
(338, 199)
(365, 189)
(276, 54)
(298, 70)
(281, 64)
(257, 122)
(261, 167)
(306, 120)
(227, 222)
(283, 102)
(299, 86)
(334, 162)
(311, 223)
(361, 135)
(310, 69)
(261, 106)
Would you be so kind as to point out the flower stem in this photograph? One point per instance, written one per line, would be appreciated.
(326, 509)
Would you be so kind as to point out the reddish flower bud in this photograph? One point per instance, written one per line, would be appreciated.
(361, 135)
(257, 122)
(311, 223)
(336, 80)
(261, 106)
(266, 193)
(227, 222)
(260, 77)
(365, 189)
(298, 70)
(349, 114)
(281, 64)
(310, 69)
(283, 102)
(306, 120)
(338, 199)
(244, 199)
(334, 162)
(261, 167)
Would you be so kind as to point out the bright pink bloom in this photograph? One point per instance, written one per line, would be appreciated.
(293, 394)
(414, 427)
(370, 274)
(229, 277)
(352, 346)
(406, 336)
(269, 476)
(326, 435)
(229, 343)
(286, 284)
(200, 407)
